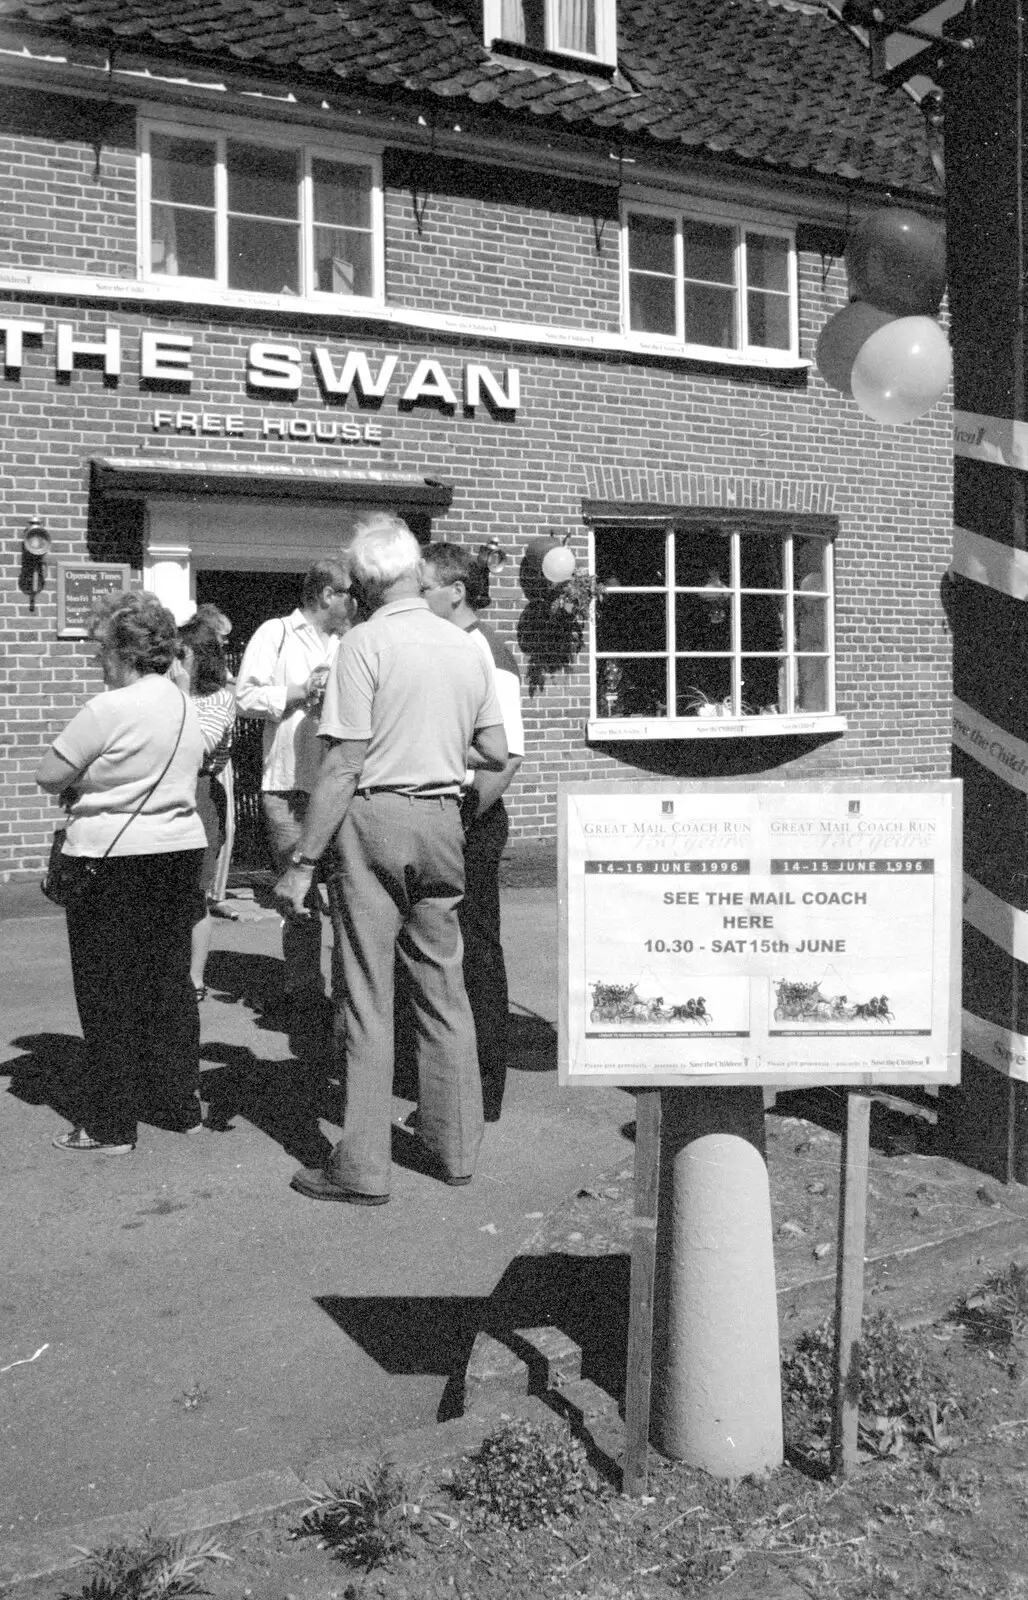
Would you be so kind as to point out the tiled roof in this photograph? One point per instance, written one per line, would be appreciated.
(772, 83)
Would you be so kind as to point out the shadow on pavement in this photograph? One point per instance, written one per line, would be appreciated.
(256, 980)
(45, 1075)
(584, 1297)
(284, 1099)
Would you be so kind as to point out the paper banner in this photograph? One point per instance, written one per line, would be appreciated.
(995, 565)
(997, 1047)
(993, 439)
(1005, 925)
(992, 747)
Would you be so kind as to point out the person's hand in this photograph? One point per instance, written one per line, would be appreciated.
(314, 693)
(291, 891)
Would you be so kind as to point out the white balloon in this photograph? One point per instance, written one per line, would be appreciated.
(903, 370)
(559, 564)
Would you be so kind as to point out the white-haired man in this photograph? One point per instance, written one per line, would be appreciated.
(409, 705)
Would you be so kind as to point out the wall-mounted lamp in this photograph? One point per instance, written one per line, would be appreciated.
(491, 555)
(35, 547)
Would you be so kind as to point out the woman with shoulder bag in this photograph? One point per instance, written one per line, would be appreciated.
(126, 768)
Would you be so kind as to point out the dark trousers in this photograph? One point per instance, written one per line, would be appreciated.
(485, 971)
(130, 953)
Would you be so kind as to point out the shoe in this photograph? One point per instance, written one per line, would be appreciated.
(201, 991)
(315, 1183)
(79, 1139)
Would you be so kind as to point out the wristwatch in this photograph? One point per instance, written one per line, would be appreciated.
(297, 859)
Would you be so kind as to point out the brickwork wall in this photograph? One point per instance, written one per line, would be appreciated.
(588, 425)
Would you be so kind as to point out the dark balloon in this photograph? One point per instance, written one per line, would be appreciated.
(896, 260)
(842, 338)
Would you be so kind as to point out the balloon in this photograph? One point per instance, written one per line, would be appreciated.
(896, 260)
(559, 564)
(902, 370)
(842, 337)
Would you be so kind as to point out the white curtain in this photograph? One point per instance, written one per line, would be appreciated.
(512, 21)
(575, 26)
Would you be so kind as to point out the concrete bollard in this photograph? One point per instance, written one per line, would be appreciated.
(717, 1394)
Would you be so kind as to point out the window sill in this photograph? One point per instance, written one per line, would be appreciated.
(614, 730)
(191, 292)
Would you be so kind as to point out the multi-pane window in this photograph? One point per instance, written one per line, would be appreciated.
(268, 218)
(572, 27)
(711, 284)
(713, 618)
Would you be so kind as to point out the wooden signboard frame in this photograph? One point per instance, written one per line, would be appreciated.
(79, 584)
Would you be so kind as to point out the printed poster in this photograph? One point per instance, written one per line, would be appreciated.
(773, 933)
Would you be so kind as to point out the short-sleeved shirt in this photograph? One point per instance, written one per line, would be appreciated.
(508, 683)
(120, 742)
(417, 689)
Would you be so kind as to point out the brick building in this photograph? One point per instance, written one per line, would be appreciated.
(521, 269)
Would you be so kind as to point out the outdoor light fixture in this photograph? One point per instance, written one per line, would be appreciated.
(491, 556)
(35, 547)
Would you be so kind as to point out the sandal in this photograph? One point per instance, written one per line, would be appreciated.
(79, 1139)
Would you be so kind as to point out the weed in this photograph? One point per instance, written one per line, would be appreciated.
(902, 1398)
(153, 1564)
(996, 1315)
(522, 1476)
(369, 1522)
(192, 1399)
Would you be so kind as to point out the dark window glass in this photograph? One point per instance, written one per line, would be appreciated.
(702, 559)
(182, 242)
(703, 622)
(263, 181)
(631, 688)
(709, 316)
(811, 623)
(651, 243)
(808, 564)
(704, 687)
(708, 252)
(263, 257)
(631, 622)
(768, 318)
(630, 558)
(767, 262)
(342, 194)
(811, 683)
(760, 562)
(182, 170)
(651, 306)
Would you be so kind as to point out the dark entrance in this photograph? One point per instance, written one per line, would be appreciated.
(248, 599)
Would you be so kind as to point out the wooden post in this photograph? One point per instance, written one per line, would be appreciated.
(640, 1312)
(849, 1282)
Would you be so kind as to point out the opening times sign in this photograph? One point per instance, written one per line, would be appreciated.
(773, 933)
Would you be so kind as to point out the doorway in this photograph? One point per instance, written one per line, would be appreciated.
(248, 599)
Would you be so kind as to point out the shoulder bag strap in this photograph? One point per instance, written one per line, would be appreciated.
(154, 786)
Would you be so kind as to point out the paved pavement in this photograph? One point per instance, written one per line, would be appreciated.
(178, 1329)
(178, 1317)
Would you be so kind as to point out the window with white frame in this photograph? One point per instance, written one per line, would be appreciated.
(260, 216)
(708, 283)
(570, 27)
(714, 616)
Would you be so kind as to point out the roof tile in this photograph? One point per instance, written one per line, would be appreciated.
(772, 83)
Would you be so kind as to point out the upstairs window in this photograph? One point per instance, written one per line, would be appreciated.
(712, 620)
(709, 285)
(584, 28)
(259, 217)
